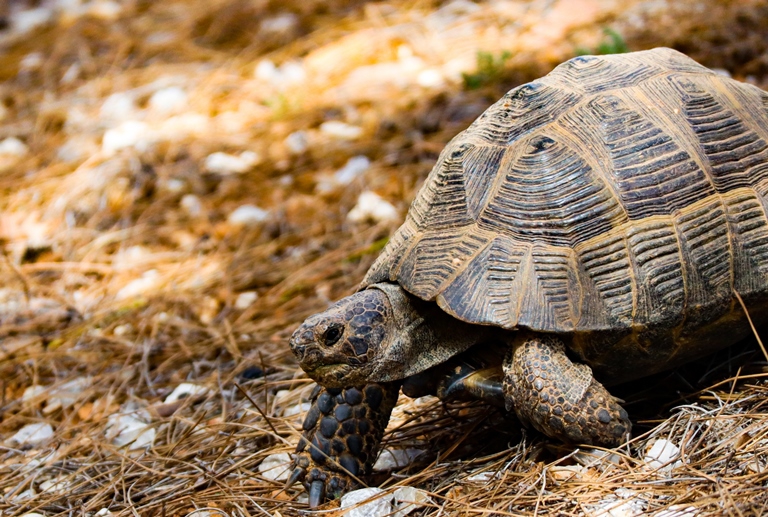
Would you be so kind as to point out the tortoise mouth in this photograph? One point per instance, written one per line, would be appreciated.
(330, 375)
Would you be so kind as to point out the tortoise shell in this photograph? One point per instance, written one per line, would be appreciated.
(619, 193)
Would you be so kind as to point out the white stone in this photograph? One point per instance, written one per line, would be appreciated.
(12, 146)
(185, 390)
(122, 330)
(245, 299)
(174, 185)
(247, 215)
(29, 19)
(297, 142)
(288, 74)
(430, 78)
(352, 170)
(72, 73)
(67, 394)
(678, 511)
(32, 434)
(622, 503)
(280, 23)
(408, 499)
(26, 495)
(118, 107)
(276, 467)
(391, 458)
(353, 503)
(184, 125)
(33, 392)
(77, 149)
(130, 134)
(55, 486)
(225, 163)
(148, 281)
(483, 476)
(30, 62)
(104, 512)
(370, 206)
(191, 205)
(130, 428)
(661, 455)
(596, 457)
(166, 101)
(30, 514)
(292, 73)
(105, 10)
(296, 409)
(341, 130)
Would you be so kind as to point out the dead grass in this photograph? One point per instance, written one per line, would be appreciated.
(111, 281)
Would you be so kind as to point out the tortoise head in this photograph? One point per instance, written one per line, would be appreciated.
(338, 347)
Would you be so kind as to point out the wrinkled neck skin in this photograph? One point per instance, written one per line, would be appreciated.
(424, 336)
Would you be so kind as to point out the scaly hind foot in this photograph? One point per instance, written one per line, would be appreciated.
(342, 433)
(561, 398)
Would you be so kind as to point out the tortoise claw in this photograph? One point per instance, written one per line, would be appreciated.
(316, 494)
(298, 474)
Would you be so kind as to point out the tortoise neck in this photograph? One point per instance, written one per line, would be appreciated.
(424, 336)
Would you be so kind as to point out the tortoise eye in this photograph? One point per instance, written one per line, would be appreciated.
(332, 335)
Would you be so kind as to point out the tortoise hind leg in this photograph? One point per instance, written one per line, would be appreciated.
(561, 398)
(342, 434)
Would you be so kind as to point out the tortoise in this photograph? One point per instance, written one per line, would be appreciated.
(599, 224)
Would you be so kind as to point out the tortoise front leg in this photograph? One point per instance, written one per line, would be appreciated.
(341, 438)
(561, 398)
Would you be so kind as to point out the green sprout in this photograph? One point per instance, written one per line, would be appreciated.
(489, 70)
(612, 43)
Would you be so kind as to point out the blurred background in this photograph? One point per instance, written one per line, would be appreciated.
(182, 182)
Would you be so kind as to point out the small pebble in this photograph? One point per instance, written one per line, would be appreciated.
(622, 503)
(678, 511)
(341, 130)
(297, 142)
(191, 205)
(33, 392)
(245, 299)
(105, 10)
(104, 512)
(32, 434)
(225, 164)
(31, 62)
(54, 486)
(276, 467)
(288, 74)
(430, 78)
(660, 455)
(131, 428)
(370, 206)
(246, 215)
(391, 458)
(185, 390)
(169, 100)
(119, 106)
(30, 19)
(129, 134)
(283, 22)
(352, 170)
(354, 505)
(148, 281)
(408, 499)
(12, 146)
